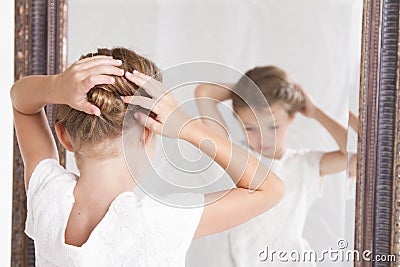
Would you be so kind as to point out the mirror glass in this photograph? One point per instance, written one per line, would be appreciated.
(317, 43)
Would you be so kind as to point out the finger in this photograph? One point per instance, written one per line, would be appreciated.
(149, 87)
(148, 122)
(90, 109)
(142, 75)
(104, 69)
(142, 101)
(92, 62)
(150, 79)
(91, 58)
(300, 88)
(94, 80)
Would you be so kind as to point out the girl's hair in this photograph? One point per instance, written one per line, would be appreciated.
(274, 84)
(88, 133)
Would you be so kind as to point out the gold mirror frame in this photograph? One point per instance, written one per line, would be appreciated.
(40, 48)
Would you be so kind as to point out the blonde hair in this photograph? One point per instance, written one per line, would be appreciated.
(274, 84)
(90, 134)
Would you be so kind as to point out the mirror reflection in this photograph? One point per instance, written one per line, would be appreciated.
(304, 57)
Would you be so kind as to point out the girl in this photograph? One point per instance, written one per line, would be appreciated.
(97, 219)
(253, 243)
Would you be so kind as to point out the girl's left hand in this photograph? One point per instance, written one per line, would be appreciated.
(72, 85)
(310, 107)
(171, 121)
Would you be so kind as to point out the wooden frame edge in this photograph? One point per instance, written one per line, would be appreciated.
(40, 48)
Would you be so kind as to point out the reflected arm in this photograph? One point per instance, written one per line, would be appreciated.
(353, 121)
(331, 162)
(207, 98)
(337, 131)
(336, 161)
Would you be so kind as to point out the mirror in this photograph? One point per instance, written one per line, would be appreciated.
(40, 48)
(316, 42)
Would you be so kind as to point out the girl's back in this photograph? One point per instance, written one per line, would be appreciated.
(135, 230)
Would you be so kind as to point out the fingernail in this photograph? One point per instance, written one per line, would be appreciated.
(136, 115)
(119, 61)
(135, 71)
(128, 73)
(97, 113)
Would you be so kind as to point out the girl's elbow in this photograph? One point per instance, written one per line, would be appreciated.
(276, 190)
(12, 93)
(199, 90)
(273, 195)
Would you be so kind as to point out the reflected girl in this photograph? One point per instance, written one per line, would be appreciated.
(303, 171)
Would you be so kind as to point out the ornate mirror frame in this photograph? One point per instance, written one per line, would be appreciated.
(40, 48)
(378, 185)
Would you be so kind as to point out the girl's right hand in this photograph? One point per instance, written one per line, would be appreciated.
(310, 107)
(72, 85)
(171, 121)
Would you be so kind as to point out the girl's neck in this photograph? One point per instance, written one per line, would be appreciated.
(279, 153)
(105, 176)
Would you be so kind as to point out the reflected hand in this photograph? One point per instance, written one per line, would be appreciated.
(310, 107)
(170, 119)
(72, 85)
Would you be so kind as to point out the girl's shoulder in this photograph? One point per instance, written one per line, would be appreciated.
(49, 194)
(49, 172)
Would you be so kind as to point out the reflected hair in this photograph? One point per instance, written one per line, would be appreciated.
(91, 135)
(275, 85)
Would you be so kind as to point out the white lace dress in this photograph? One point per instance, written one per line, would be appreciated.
(137, 230)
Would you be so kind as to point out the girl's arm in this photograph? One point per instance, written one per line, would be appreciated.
(335, 161)
(30, 94)
(353, 121)
(207, 98)
(239, 204)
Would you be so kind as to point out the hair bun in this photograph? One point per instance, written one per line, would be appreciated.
(108, 102)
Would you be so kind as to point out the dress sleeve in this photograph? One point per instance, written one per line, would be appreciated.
(313, 180)
(178, 217)
(42, 176)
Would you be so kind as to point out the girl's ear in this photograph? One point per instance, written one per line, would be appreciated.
(63, 137)
(292, 116)
(146, 137)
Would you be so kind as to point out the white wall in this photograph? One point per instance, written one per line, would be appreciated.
(6, 80)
